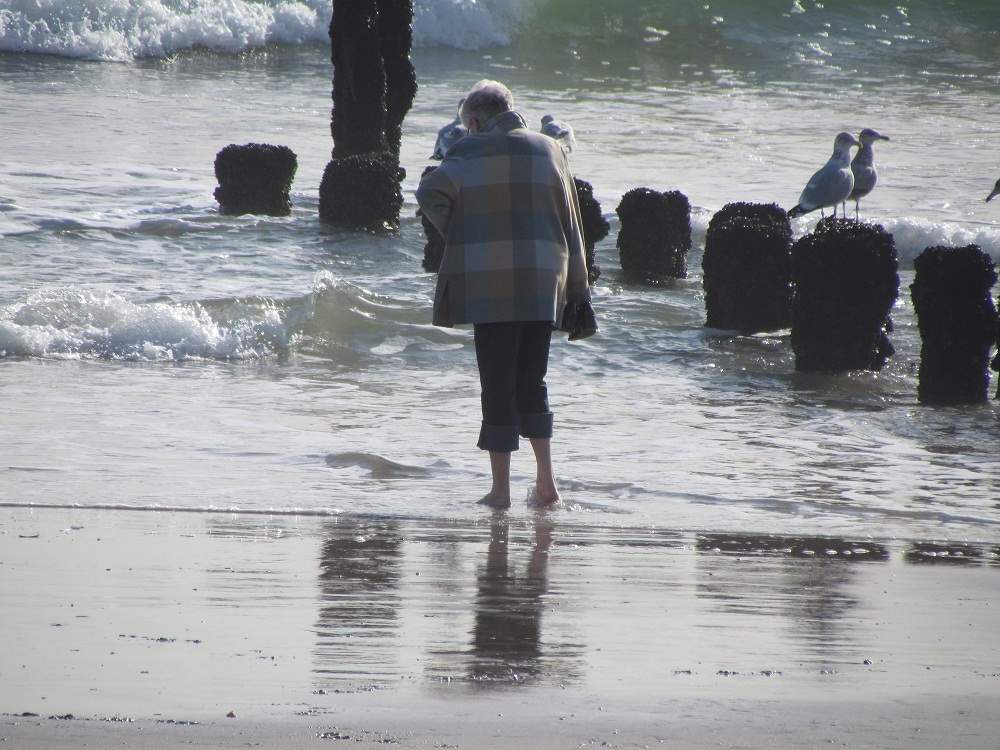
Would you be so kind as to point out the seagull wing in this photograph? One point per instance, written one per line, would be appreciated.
(827, 187)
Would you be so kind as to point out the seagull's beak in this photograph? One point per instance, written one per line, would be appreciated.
(991, 195)
(884, 137)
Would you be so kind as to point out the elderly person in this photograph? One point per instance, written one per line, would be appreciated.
(506, 204)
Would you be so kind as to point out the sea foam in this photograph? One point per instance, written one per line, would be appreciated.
(74, 323)
(123, 30)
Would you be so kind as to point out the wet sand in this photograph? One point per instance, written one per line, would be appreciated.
(521, 630)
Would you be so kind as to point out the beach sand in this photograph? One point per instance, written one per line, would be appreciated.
(523, 629)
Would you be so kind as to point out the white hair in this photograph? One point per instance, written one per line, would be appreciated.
(486, 100)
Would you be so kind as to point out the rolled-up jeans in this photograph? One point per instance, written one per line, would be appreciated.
(513, 359)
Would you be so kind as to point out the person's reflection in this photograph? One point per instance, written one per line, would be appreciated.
(506, 642)
(808, 581)
(358, 580)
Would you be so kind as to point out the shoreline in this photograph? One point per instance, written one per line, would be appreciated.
(509, 631)
(944, 545)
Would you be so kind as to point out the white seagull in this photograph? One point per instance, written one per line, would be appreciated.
(863, 167)
(832, 183)
(560, 132)
(996, 191)
(449, 135)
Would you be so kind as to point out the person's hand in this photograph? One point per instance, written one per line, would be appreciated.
(578, 296)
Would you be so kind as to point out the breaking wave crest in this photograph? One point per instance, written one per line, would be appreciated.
(70, 322)
(122, 30)
(336, 320)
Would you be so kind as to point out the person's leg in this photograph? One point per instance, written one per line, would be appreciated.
(534, 416)
(496, 354)
(546, 491)
(499, 494)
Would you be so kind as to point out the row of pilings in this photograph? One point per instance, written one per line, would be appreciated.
(834, 288)
(374, 84)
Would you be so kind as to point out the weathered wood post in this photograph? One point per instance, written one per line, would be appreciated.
(958, 323)
(255, 178)
(655, 234)
(373, 87)
(747, 268)
(595, 226)
(845, 282)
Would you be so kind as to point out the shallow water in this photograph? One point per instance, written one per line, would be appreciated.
(156, 354)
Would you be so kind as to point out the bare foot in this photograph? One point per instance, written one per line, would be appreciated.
(495, 500)
(547, 496)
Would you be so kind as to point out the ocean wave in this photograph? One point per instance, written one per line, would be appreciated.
(74, 323)
(120, 30)
(913, 235)
(336, 319)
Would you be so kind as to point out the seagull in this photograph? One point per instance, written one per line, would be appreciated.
(996, 191)
(863, 167)
(449, 135)
(559, 132)
(831, 184)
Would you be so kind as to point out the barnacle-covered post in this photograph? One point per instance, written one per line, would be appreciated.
(255, 178)
(846, 280)
(958, 323)
(655, 234)
(747, 268)
(595, 226)
(373, 87)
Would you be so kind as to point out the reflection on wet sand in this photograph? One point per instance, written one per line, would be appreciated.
(514, 603)
(808, 580)
(360, 568)
(506, 640)
(509, 596)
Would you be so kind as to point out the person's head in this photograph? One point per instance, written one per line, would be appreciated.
(485, 100)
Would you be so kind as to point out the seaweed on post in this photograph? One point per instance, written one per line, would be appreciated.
(845, 279)
(655, 234)
(255, 178)
(747, 268)
(958, 323)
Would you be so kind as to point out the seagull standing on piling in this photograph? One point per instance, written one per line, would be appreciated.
(863, 167)
(832, 183)
(449, 135)
(560, 132)
(996, 191)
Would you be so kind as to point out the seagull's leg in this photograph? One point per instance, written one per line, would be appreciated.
(856, 210)
(821, 214)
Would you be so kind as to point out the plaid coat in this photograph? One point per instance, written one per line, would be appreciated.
(505, 202)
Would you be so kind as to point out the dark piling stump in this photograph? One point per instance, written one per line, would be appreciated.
(595, 226)
(747, 268)
(958, 323)
(655, 234)
(845, 282)
(373, 88)
(995, 364)
(434, 246)
(362, 191)
(359, 108)
(255, 179)
(395, 29)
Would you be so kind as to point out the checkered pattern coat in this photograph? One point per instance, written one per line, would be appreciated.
(505, 202)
